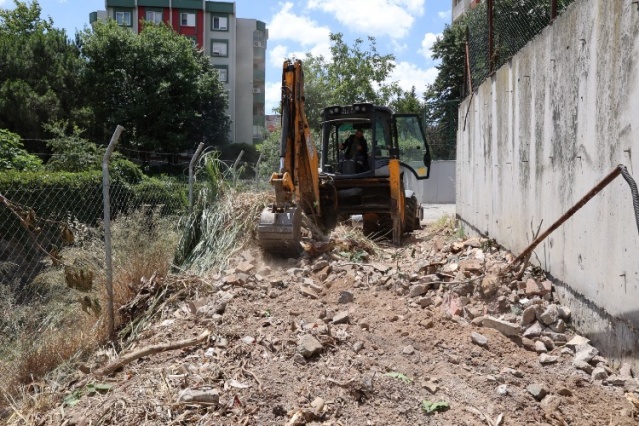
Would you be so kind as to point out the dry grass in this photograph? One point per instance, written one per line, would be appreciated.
(50, 336)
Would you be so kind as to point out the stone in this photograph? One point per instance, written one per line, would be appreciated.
(585, 352)
(319, 265)
(599, 373)
(558, 326)
(308, 292)
(502, 390)
(249, 340)
(528, 344)
(582, 365)
(549, 315)
(346, 297)
(533, 288)
(556, 337)
(540, 347)
(537, 390)
(625, 370)
(545, 359)
(309, 346)
(358, 346)
(478, 339)
(233, 279)
(577, 341)
(200, 396)
(489, 285)
(245, 267)
(528, 315)
(318, 404)
(548, 342)
(534, 330)
(418, 290)
(424, 301)
(504, 327)
(564, 312)
(342, 318)
(550, 403)
(471, 265)
(408, 350)
(563, 391)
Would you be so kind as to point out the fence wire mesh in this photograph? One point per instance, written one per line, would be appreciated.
(440, 128)
(514, 24)
(53, 234)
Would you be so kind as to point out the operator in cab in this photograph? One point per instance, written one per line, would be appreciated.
(355, 148)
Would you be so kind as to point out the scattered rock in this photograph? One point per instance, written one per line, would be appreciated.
(249, 340)
(599, 373)
(540, 347)
(564, 313)
(577, 341)
(478, 339)
(309, 346)
(528, 344)
(537, 390)
(534, 330)
(502, 390)
(585, 353)
(200, 396)
(424, 301)
(358, 346)
(418, 290)
(504, 327)
(345, 297)
(550, 315)
(489, 285)
(625, 370)
(545, 359)
(342, 318)
(408, 350)
(583, 365)
(308, 292)
(528, 315)
(318, 403)
(245, 267)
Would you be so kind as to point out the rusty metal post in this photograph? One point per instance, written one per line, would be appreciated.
(553, 10)
(594, 191)
(491, 46)
(470, 74)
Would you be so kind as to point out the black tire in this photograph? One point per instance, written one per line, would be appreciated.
(382, 227)
(411, 218)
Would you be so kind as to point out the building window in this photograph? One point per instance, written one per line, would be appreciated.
(222, 73)
(123, 17)
(219, 48)
(187, 19)
(154, 16)
(220, 23)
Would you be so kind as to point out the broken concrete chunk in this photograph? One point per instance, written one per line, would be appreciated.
(245, 267)
(599, 373)
(200, 396)
(534, 330)
(319, 265)
(556, 337)
(537, 390)
(418, 290)
(528, 315)
(489, 285)
(342, 318)
(550, 315)
(540, 347)
(504, 327)
(309, 346)
(545, 359)
(625, 370)
(528, 344)
(478, 339)
(564, 312)
(585, 352)
(577, 341)
(424, 301)
(408, 350)
(558, 327)
(582, 365)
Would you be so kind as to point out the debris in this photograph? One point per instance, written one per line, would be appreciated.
(200, 396)
(309, 346)
(478, 339)
(504, 327)
(537, 390)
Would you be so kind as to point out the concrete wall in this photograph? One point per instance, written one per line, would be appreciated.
(439, 188)
(540, 133)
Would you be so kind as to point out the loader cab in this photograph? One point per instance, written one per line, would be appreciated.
(387, 136)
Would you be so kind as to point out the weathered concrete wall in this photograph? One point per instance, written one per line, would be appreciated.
(540, 133)
(439, 188)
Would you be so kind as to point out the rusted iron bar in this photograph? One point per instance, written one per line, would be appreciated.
(553, 10)
(491, 46)
(594, 191)
(470, 74)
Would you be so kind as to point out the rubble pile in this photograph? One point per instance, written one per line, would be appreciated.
(442, 331)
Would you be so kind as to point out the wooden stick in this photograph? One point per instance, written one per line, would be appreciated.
(149, 350)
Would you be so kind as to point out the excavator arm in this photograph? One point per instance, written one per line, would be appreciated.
(296, 183)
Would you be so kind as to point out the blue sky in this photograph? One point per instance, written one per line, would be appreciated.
(405, 28)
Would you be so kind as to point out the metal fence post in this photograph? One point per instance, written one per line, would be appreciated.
(257, 166)
(191, 164)
(553, 10)
(491, 45)
(107, 226)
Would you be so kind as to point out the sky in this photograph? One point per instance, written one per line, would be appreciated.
(404, 28)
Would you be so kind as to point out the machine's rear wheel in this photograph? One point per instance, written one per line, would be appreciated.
(411, 221)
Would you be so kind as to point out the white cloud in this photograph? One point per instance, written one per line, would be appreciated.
(427, 45)
(273, 96)
(444, 15)
(392, 18)
(288, 26)
(408, 75)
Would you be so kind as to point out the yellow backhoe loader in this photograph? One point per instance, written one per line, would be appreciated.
(340, 185)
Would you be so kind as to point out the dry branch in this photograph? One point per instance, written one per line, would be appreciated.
(149, 350)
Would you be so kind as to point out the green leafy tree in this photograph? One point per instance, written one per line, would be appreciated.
(13, 156)
(408, 102)
(157, 85)
(38, 72)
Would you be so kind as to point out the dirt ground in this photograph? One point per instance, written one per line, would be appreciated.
(350, 337)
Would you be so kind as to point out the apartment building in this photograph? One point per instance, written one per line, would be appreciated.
(236, 48)
(459, 7)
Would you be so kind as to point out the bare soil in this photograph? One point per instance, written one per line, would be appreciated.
(378, 367)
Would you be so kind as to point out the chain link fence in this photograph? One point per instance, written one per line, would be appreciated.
(440, 129)
(498, 29)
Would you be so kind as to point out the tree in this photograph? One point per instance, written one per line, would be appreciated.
(32, 94)
(156, 84)
(407, 103)
(13, 156)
